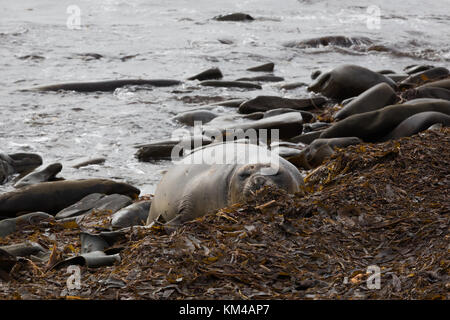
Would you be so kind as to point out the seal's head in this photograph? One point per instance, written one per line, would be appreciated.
(250, 178)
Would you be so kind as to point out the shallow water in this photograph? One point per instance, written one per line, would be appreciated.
(176, 39)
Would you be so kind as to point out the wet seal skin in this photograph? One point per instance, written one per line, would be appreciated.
(162, 149)
(52, 197)
(265, 103)
(417, 123)
(374, 125)
(377, 97)
(109, 85)
(189, 190)
(288, 125)
(8, 226)
(133, 215)
(47, 174)
(212, 73)
(17, 163)
(347, 81)
(320, 149)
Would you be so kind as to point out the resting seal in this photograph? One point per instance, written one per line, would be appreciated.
(374, 125)
(52, 197)
(109, 85)
(347, 81)
(320, 149)
(374, 98)
(417, 123)
(17, 163)
(191, 189)
(47, 174)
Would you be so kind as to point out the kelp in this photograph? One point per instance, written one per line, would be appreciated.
(370, 207)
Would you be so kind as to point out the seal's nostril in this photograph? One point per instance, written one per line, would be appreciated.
(259, 181)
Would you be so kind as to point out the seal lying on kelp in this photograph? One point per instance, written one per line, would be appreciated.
(202, 182)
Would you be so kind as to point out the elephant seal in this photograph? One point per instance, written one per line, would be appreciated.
(417, 123)
(44, 175)
(426, 92)
(425, 76)
(377, 97)
(266, 103)
(444, 84)
(133, 215)
(347, 81)
(109, 85)
(320, 149)
(288, 125)
(162, 149)
(193, 188)
(8, 226)
(374, 125)
(417, 68)
(17, 163)
(52, 197)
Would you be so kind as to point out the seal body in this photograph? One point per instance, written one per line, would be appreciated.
(52, 197)
(374, 98)
(108, 85)
(417, 123)
(17, 163)
(44, 175)
(216, 176)
(347, 81)
(374, 125)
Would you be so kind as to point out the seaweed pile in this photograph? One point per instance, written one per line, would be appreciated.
(382, 205)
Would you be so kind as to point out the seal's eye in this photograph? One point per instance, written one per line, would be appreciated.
(244, 175)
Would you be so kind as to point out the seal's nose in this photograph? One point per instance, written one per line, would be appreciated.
(259, 182)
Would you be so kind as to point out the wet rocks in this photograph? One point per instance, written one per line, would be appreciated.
(265, 103)
(237, 16)
(267, 67)
(230, 84)
(212, 73)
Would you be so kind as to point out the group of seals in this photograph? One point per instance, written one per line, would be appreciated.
(374, 125)
(17, 163)
(52, 197)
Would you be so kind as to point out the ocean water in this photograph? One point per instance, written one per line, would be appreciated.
(46, 42)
